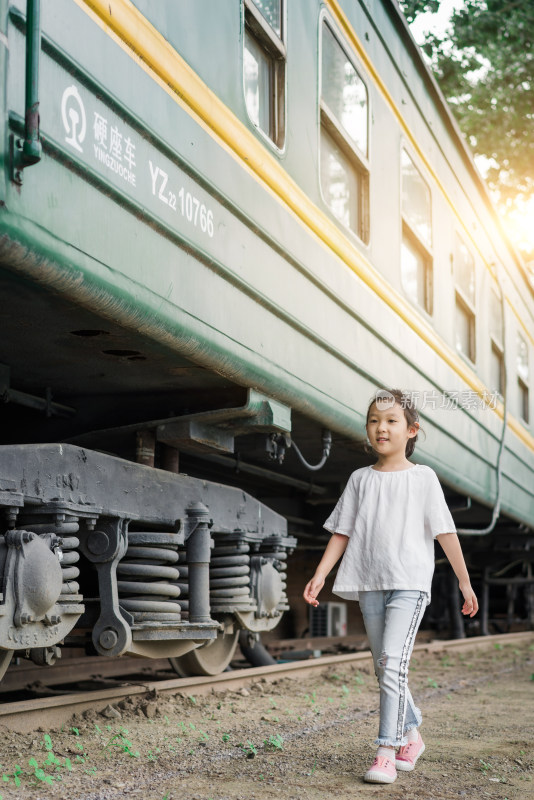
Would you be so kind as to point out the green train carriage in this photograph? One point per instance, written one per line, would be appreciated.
(240, 220)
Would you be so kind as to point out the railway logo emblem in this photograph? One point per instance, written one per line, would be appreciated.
(74, 119)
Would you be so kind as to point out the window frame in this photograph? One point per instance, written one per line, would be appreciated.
(407, 232)
(467, 300)
(465, 303)
(417, 243)
(259, 19)
(256, 26)
(523, 385)
(498, 353)
(524, 400)
(461, 303)
(336, 131)
(497, 345)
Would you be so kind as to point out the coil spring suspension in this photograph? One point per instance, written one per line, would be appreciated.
(183, 583)
(230, 577)
(148, 578)
(68, 544)
(273, 552)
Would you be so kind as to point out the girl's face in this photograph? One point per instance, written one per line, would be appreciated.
(388, 431)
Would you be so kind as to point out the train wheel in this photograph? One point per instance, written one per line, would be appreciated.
(211, 659)
(5, 660)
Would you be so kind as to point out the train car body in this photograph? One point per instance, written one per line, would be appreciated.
(242, 219)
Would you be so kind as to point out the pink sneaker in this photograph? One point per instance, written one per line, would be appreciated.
(382, 771)
(408, 754)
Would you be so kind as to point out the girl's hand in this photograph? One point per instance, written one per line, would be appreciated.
(470, 606)
(312, 590)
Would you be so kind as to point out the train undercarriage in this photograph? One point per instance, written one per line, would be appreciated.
(132, 560)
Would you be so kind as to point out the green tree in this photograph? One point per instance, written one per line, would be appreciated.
(484, 64)
(412, 8)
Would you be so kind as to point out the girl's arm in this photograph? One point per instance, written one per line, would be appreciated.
(453, 550)
(334, 550)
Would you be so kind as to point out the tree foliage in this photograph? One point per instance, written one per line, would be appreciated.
(484, 64)
(412, 8)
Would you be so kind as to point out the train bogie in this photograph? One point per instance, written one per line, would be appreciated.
(143, 562)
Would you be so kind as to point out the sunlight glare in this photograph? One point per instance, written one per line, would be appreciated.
(519, 224)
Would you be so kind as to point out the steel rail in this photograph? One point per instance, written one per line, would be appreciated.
(27, 715)
(78, 669)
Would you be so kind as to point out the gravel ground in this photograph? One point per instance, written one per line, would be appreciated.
(294, 739)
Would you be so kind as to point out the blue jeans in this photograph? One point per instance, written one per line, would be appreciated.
(392, 619)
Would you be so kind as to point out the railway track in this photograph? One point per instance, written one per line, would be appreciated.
(27, 679)
(24, 679)
(48, 712)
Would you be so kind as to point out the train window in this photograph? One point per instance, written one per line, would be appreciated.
(497, 346)
(264, 61)
(344, 138)
(464, 273)
(464, 329)
(464, 269)
(522, 377)
(340, 183)
(416, 248)
(496, 321)
(271, 11)
(343, 91)
(416, 201)
(415, 272)
(497, 369)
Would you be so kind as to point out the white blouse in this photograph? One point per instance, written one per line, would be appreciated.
(391, 519)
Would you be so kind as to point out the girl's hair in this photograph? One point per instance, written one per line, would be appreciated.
(408, 406)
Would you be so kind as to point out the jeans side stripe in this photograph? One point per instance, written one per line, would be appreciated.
(403, 669)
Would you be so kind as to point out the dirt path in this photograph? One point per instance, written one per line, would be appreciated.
(295, 740)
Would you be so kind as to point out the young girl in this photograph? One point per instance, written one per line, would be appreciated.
(384, 525)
